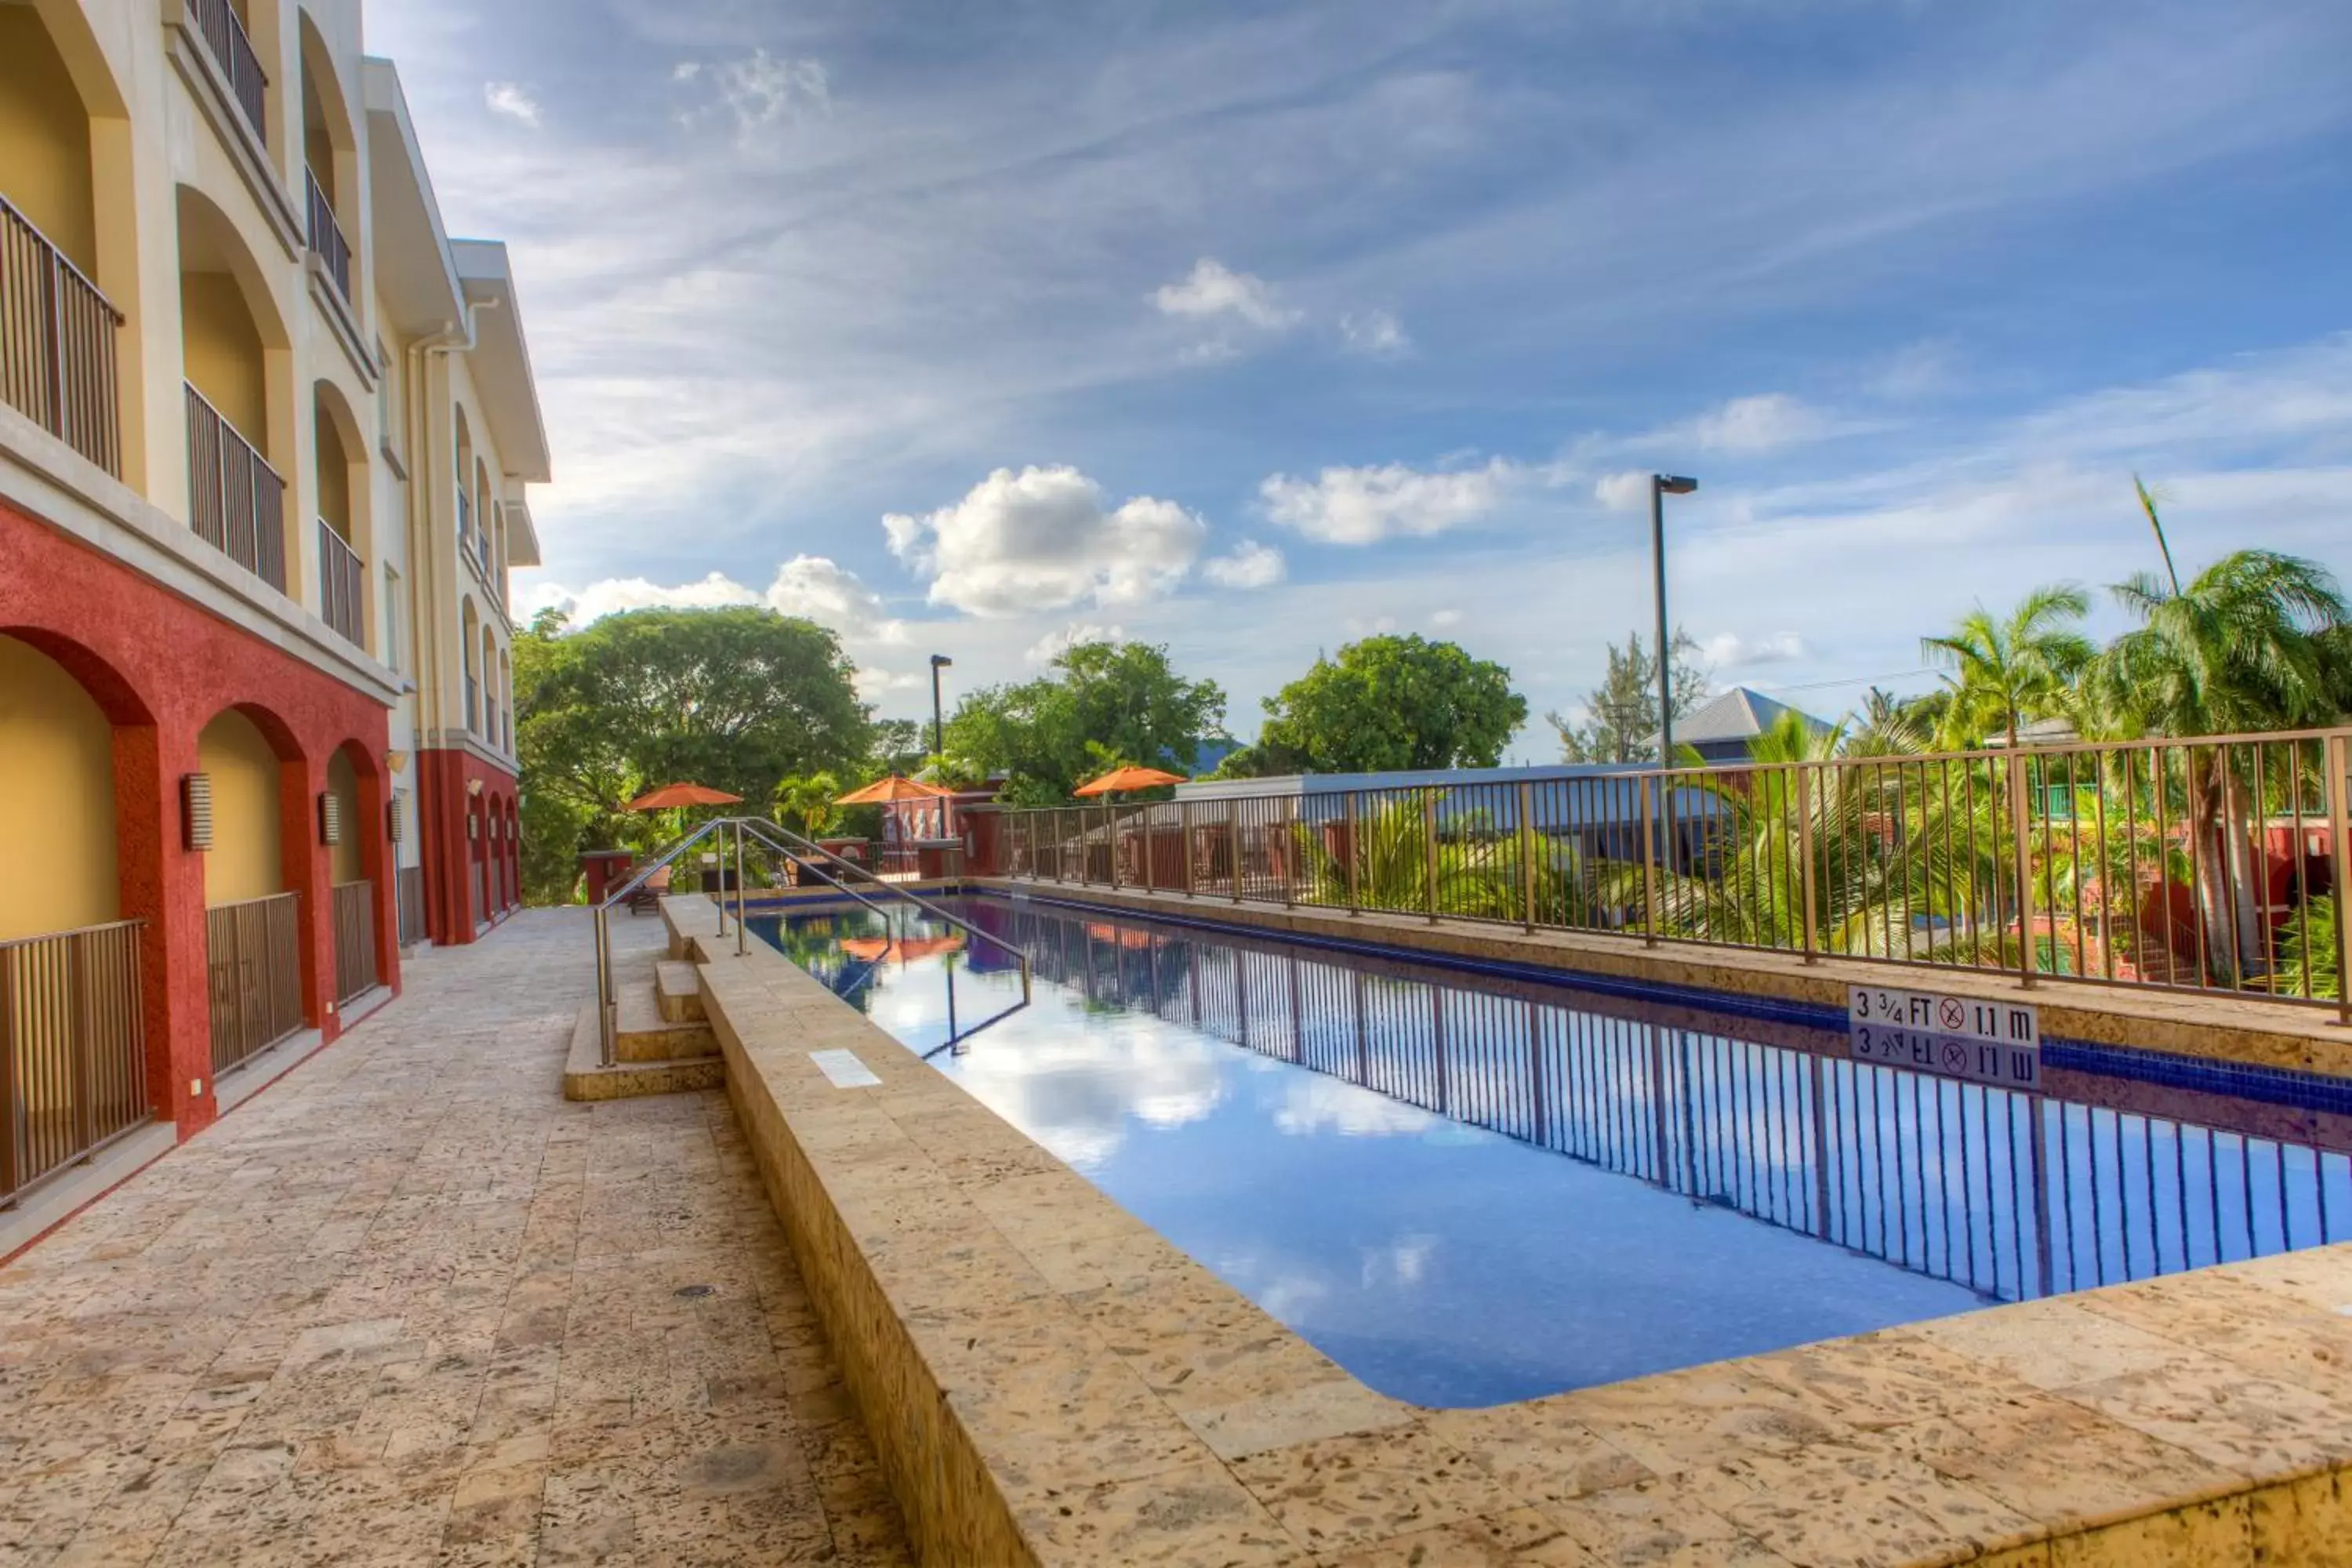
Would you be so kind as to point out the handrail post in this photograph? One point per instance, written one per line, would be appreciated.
(56, 325)
(1429, 850)
(1527, 853)
(1184, 826)
(1110, 843)
(2339, 783)
(1233, 848)
(1149, 878)
(2027, 960)
(1287, 843)
(1355, 849)
(1805, 859)
(742, 941)
(1649, 861)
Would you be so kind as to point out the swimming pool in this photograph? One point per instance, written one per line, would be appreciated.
(1471, 1189)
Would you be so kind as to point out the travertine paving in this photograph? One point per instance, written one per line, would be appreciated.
(409, 1306)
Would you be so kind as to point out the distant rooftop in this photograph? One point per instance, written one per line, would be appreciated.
(1738, 715)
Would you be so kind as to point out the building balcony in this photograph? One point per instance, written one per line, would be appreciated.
(58, 344)
(237, 501)
(327, 241)
(342, 586)
(248, 84)
(473, 704)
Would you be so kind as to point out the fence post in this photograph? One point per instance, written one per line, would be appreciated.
(1288, 843)
(2028, 960)
(1648, 862)
(1110, 843)
(1184, 826)
(743, 943)
(1233, 848)
(1429, 849)
(1355, 849)
(1150, 879)
(1805, 859)
(2339, 783)
(1527, 852)
(57, 335)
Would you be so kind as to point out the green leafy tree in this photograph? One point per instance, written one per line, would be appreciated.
(1047, 736)
(1624, 708)
(2006, 671)
(1390, 702)
(737, 699)
(1887, 725)
(804, 803)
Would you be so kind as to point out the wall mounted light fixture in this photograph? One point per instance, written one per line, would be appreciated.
(196, 810)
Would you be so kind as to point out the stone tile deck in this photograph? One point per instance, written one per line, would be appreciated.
(409, 1306)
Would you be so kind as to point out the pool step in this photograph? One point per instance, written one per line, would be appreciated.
(644, 1032)
(678, 990)
(586, 1077)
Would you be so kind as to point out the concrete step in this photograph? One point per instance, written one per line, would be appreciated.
(678, 990)
(586, 1077)
(646, 1035)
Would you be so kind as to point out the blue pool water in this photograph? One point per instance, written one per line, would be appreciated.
(1468, 1190)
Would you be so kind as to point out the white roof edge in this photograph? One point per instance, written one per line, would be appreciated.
(388, 100)
(484, 262)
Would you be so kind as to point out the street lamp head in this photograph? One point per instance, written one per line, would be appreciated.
(940, 661)
(1673, 484)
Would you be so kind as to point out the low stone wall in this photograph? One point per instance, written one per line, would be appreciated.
(1050, 1382)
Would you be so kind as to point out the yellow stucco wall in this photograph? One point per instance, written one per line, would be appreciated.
(344, 783)
(334, 475)
(244, 861)
(56, 797)
(222, 350)
(45, 165)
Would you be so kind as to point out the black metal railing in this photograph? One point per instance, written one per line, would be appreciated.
(73, 1048)
(252, 961)
(327, 241)
(355, 970)
(224, 36)
(342, 586)
(58, 344)
(237, 501)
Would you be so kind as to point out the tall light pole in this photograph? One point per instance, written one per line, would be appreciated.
(1660, 486)
(940, 661)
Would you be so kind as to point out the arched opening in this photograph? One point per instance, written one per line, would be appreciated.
(491, 704)
(469, 623)
(57, 799)
(482, 507)
(230, 334)
(253, 925)
(66, 237)
(356, 872)
(329, 159)
(506, 697)
(464, 471)
(339, 452)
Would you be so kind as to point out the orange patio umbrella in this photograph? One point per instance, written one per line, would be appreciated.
(678, 794)
(886, 791)
(1119, 779)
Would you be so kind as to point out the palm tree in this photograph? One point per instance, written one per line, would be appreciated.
(1887, 725)
(2006, 671)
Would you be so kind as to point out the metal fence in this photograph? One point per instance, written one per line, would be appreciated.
(253, 959)
(355, 970)
(237, 501)
(408, 893)
(2011, 1194)
(2192, 865)
(342, 586)
(224, 36)
(73, 1067)
(327, 241)
(58, 344)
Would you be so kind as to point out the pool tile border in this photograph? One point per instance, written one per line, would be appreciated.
(1024, 1421)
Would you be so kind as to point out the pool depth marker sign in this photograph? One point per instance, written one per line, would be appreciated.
(1958, 1036)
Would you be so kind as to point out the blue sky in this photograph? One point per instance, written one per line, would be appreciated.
(1252, 329)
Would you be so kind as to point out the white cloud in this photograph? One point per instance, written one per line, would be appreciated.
(1212, 290)
(1444, 618)
(876, 684)
(1364, 506)
(1375, 332)
(1043, 538)
(1054, 644)
(1251, 565)
(755, 92)
(1728, 650)
(832, 595)
(615, 595)
(511, 99)
(1312, 1103)
(1623, 491)
(1764, 423)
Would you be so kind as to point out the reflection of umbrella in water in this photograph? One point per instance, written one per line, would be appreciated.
(906, 949)
(1119, 780)
(1131, 940)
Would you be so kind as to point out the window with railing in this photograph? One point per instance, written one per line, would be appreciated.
(224, 36)
(473, 702)
(342, 585)
(465, 519)
(237, 501)
(57, 343)
(327, 241)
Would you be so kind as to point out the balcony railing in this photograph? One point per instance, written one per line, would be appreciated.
(73, 1048)
(327, 241)
(408, 893)
(233, 52)
(473, 703)
(354, 940)
(253, 958)
(236, 502)
(57, 343)
(465, 519)
(2212, 864)
(342, 585)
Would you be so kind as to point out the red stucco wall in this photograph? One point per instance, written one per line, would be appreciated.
(450, 849)
(162, 668)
